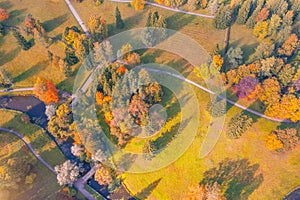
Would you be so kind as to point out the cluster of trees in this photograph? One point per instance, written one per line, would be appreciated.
(61, 123)
(203, 192)
(238, 125)
(46, 91)
(271, 73)
(155, 29)
(282, 140)
(132, 95)
(230, 179)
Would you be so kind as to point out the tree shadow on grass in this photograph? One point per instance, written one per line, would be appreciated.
(180, 19)
(15, 17)
(31, 71)
(238, 178)
(144, 193)
(126, 161)
(52, 24)
(248, 50)
(5, 5)
(7, 57)
(162, 142)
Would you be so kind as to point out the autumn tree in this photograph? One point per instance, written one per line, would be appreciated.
(244, 12)
(223, 18)
(218, 61)
(261, 30)
(251, 20)
(103, 175)
(271, 91)
(156, 31)
(286, 74)
(22, 42)
(60, 125)
(282, 140)
(238, 125)
(133, 59)
(289, 46)
(204, 192)
(264, 50)
(262, 15)
(98, 28)
(67, 173)
(138, 4)
(119, 22)
(46, 91)
(194, 4)
(274, 25)
(3, 14)
(248, 88)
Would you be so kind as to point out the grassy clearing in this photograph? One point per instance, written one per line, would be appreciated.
(26, 66)
(45, 185)
(280, 171)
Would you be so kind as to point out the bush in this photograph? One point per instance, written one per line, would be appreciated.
(287, 137)
(216, 107)
(238, 125)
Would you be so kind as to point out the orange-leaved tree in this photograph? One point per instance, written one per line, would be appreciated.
(3, 14)
(46, 91)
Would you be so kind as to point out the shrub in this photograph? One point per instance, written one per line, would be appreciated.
(238, 125)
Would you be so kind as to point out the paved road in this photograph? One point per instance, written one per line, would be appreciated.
(168, 8)
(79, 184)
(77, 17)
(17, 90)
(29, 146)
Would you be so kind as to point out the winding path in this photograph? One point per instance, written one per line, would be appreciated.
(168, 8)
(19, 135)
(79, 184)
(18, 90)
(219, 96)
(77, 17)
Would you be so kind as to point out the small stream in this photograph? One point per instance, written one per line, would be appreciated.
(35, 109)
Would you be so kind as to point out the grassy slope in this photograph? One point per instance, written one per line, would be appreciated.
(45, 185)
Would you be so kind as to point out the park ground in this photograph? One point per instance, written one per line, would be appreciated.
(280, 170)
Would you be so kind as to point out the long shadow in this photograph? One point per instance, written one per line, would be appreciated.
(248, 50)
(144, 193)
(180, 19)
(129, 22)
(52, 24)
(30, 72)
(237, 178)
(162, 142)
(5, 5)
(15, 18)
(7, 57)
(126, 161)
